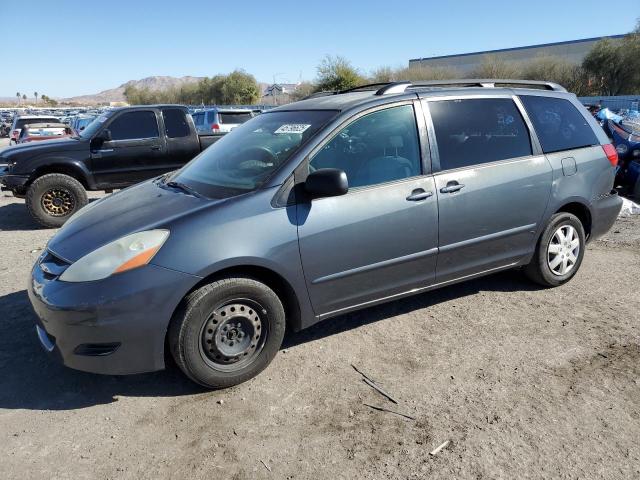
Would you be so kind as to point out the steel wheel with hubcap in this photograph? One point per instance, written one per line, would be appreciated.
(559, 251)
(227, 331)
(563, 250)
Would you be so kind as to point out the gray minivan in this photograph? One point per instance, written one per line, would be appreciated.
(321, 207)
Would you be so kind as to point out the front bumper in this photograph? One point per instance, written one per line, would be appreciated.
(112, 326)
(12, 182)
(604, 214)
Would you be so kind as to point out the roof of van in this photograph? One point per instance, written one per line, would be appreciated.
(347, 99)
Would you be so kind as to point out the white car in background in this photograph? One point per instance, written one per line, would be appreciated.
(220, 120)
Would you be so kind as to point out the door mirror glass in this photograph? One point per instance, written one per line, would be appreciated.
(326, 182)
(105, 136)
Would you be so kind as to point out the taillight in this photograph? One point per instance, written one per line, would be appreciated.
(215, 127)
(611, 153)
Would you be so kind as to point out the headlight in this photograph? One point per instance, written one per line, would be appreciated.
(124, 254)
(622, 148)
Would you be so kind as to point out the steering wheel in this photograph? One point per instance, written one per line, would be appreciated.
(257, 157)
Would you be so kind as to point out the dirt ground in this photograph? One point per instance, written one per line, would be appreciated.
(524, 382)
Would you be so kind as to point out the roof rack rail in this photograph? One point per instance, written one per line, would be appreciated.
(365, 87)
(400, 87)
(490, 83)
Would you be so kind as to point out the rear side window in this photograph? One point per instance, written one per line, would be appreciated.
(134, 125)
(175, 123)
(476, 131)
(559, 125)
(198, 118)
(234, 117)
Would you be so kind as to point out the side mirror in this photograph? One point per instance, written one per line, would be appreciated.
(106, 135)
(326, 182)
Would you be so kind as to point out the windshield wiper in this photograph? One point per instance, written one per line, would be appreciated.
(184, 187)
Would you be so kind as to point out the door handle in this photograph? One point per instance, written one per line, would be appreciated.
(452, 187)
(419, 194)
(155, 147)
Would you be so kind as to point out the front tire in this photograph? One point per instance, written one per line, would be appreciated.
(227, 332)
(53, 198)
(559, 252)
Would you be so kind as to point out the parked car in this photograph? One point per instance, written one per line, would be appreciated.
(221, 120)
(34, 132)
(319, 208)
(80, 122)
(122, 147)
(19, 122)
(627, 143)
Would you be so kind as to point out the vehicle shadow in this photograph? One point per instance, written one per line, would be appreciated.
(508, 281)
(29, 379)
(15, 216)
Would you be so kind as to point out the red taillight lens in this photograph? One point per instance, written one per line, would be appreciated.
(612, 155)
(215, 127)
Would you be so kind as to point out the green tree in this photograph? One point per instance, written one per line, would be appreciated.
(614, 66)
(18, 95)
(240, 87)
(337, 73)
(24, 96)
(35, 94)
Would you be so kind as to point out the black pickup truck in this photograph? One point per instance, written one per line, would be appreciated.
(122, 147)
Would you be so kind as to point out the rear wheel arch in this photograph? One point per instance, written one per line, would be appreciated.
(581, 211)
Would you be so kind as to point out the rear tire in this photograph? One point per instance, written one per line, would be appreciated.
(559, 252)
(53, 198)
(227, 332)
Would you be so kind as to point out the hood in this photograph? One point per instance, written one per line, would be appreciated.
(142, 207)
(31, 149)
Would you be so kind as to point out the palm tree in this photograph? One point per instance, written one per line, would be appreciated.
(24, 96)
(35, 94)
(18, 95)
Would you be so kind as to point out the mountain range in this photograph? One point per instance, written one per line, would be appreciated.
(117, 94)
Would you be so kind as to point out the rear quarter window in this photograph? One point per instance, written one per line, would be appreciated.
(558, 123)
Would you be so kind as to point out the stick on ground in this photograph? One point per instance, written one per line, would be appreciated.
(380, 390)
(382, 409)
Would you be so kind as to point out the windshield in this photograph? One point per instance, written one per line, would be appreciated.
(244, 159)
(94, 126)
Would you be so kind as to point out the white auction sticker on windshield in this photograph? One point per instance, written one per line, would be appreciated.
(292, 128)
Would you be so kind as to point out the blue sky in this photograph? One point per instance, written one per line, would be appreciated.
(73, 47)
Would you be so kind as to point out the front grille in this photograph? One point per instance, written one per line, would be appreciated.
(52, 265)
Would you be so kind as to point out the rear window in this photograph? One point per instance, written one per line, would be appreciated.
(559, 125)
(175, 123)
(21, 122)
(234, 117)
(211, 117)
(198, 118)
(476, 131)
